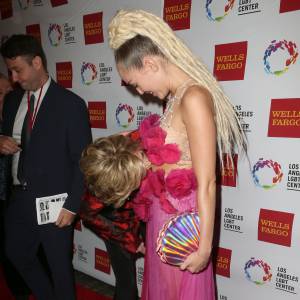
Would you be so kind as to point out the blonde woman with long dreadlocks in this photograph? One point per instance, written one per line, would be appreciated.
(198, 122)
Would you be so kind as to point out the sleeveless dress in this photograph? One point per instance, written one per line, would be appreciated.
(163, 281)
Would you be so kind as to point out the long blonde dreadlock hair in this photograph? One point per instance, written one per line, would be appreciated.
(127, 25)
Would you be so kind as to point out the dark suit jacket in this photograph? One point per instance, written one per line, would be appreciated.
(60, 133)
(4, 179)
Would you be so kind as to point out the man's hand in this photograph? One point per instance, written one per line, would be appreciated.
(65, 218)
(8, 145)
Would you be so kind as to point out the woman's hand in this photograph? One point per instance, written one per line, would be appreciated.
(196, 262)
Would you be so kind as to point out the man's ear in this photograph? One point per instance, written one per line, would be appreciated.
(37, 62)
(150, 63)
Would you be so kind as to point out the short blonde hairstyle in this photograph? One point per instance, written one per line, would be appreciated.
(112, 168)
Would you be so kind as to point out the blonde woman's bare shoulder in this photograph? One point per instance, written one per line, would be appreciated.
(196, 96)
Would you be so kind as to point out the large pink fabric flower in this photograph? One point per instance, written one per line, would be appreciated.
(180, 182)
(154, 137)
(152, 185)
(148, 122)
(153, 141)
(154, 156)
(156, 182)
(170, 153)
(142, 201)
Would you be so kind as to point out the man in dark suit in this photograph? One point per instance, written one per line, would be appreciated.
(14, 281)
(44, 135)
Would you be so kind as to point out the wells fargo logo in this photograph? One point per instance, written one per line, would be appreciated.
(102, 262)
(230, 61)
(289, 5)
(284, 118)
(267, 173)
(279, 56)
(6, 9)
(93, 29)
(88, 73)
(216, 11)
(35, 31)
(257, 271)
(55, 3)
(275, 227)
(124, 115)
(177, 13)
(223, 260)
(64, 74)
(229, 170)
(54, 34)
(97, 113)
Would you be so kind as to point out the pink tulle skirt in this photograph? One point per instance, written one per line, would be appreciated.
(166, 282)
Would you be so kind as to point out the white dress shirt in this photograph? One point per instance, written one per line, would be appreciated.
(19, 120)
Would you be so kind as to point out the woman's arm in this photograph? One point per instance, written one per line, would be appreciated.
(117, 225)
(90, 213)
(198, 116)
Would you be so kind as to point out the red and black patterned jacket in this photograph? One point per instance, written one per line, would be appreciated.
(120, 225)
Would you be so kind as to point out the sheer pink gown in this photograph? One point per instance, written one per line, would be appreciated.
(163, 281)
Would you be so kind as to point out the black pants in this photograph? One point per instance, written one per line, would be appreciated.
(13, 279)
(123, 264)
(23, 240)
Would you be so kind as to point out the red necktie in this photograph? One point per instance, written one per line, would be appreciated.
(25, 138)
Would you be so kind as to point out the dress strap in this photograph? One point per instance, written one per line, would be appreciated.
(182, 89)
(167, 117)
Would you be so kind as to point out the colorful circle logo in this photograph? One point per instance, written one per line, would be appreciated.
(257, 271)
(54, 34)
(289, 48)
(88, 73)
(262, 179)
(228, 7)
(124, 115)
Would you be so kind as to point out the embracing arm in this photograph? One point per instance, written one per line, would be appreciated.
(198, 117)
(90, 213)
(118, 225)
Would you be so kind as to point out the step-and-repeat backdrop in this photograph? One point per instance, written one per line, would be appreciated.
(252, 47)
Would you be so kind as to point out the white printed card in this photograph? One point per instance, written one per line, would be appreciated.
(48, 208)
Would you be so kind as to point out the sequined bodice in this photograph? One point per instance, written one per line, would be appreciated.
(178, 136)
